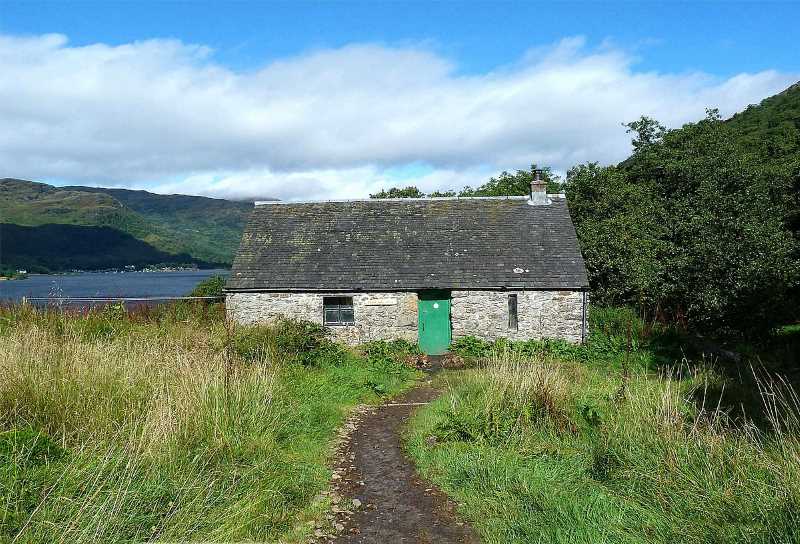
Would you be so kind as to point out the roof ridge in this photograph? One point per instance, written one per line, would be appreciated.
(378, 200)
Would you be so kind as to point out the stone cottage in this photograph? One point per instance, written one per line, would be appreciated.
(427, 270)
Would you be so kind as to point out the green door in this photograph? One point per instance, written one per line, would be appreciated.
(434, 322)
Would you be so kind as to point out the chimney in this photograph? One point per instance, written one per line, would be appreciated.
(538, 190)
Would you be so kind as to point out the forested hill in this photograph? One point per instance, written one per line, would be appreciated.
(212, 226)
(203, 230)
(702, 223)
(772, 130)
(773, 126)
(69, 247)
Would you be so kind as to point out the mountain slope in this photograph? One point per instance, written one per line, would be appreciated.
(205, 229)
(772, 130)
(209, 228)
(54, 247)
(773, 126)
(29, 203)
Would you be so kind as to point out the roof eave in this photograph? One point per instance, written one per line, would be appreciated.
(231, 290)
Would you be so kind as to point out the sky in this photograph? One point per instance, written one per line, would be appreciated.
(302, 100)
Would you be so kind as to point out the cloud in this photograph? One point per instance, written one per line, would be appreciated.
(329, 123)
(359, 182)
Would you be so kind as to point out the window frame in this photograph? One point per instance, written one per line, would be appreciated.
(340, 305)
(513, 312)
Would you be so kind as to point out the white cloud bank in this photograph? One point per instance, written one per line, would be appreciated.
(328, 124)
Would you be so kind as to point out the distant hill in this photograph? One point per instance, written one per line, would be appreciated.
(204, 230)
(55, 247)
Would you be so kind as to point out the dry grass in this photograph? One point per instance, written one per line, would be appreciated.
(118, 428)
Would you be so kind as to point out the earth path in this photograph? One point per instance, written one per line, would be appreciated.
(393, 504)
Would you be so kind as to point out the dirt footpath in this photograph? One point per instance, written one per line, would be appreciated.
(392, 504)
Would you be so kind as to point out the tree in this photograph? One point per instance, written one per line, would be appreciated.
(692, 225)
(506, 184)
(620, 226)
(518, 183)
(440, 194)
(648, 133)
(396, 192)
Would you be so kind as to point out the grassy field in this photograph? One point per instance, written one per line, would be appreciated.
(167, 425)
(608, 442)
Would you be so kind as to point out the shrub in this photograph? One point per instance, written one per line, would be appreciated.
(470, 346)
(210, 287)
(617, 336)
(389, 349)
(287, 339)
(387, 355)
(301, 340)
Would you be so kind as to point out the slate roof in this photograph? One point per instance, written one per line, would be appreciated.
(409, 244)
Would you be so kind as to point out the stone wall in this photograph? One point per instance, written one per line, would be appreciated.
(540, 314)
(377, 315)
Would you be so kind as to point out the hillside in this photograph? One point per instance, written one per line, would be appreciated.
(56, 247)
(773, 126)
(211, 226)
(205, 229)
(772, 130)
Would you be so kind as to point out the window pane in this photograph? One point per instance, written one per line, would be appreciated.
(331, 315)
(347, 315)
(512, 313)
(337, 301)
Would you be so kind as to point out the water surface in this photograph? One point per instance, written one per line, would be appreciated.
(105, 284)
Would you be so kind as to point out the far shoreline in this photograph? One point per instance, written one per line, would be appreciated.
(117, 271)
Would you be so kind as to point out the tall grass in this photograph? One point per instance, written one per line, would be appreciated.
(538, 449)
(155, 426)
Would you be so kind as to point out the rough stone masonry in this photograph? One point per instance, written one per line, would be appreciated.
(391, 315)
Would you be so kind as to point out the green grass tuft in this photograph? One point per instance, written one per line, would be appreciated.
(543, 442)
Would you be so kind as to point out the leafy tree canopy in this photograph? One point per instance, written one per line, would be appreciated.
(209, 287)
(506, 184)
(397, 192)
(692, 225)
(518, 183)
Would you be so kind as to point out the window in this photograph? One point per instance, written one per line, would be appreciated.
(513, 325)
(338, 311)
